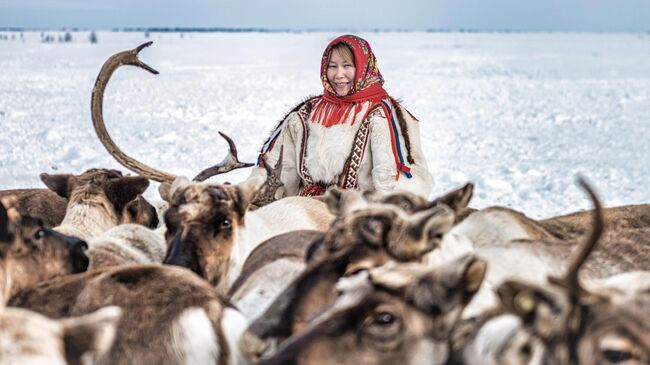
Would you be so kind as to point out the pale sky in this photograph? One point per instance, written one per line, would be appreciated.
(520, 15)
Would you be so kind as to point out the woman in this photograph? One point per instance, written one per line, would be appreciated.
(354, 135)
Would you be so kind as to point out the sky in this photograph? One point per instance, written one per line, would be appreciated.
(517, 15)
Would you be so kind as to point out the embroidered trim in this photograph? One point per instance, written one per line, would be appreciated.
(353, 163)
(302, 170)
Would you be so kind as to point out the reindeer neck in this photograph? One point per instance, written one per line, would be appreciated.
(13, 279)
(5, 283)
(85, 221)
(251, 233)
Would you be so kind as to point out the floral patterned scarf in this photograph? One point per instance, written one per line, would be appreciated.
(331, 109)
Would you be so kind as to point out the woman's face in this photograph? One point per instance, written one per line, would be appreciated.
(340, 73)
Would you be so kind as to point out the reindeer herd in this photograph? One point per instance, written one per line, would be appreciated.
(92, 273)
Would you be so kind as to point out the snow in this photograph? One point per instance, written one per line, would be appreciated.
(519, 115)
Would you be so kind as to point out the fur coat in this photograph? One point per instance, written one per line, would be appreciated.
(322, 152)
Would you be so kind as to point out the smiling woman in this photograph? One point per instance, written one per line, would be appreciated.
(341, 69)
(354, 135)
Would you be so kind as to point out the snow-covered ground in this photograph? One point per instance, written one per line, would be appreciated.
(520, 115)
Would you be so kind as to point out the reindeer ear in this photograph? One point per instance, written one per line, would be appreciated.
(121, 191)
(5, 236)
(58, 183)
(340, 202)
(473, 276)
(246, 192)
(332, 199)
(139, 211)
(457, 199)
(164, 189)
(90, 336)
(167, 190)
(459, 280)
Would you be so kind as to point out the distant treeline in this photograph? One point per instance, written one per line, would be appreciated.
(266, 30)
(254, 30)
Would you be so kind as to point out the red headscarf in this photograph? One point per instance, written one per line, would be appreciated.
(331, 109)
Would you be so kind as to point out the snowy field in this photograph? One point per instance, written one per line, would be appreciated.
(520, 115)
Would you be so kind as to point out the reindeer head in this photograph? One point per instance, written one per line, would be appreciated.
(32, 339)
(30, 252)
(457, 200)
(203, 222)
(102, 189)
(395, 314)
(364, 237)
(586, 328)
(575, 325)
(405, 235)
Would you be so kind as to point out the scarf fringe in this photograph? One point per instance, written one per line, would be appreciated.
(329, 114)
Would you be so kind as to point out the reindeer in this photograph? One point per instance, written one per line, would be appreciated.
(133, 242)
(563, 323)
(96, 199)
(359, 240)
(276, 262)
(209, 229)
(169, 314)
(31, 339)
(517, 246)
(395, 314)
(501, 224)
(106, 209)
(31, 253)
(576, 326)
(126, 244)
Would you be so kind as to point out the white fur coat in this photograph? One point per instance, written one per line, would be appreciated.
(328, 148)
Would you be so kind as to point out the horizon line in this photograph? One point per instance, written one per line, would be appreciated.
(176, 29)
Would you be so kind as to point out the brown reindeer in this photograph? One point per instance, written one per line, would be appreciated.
(29, 338)
(394, 314)
(563, 322)
(50, 207)
(31, 253)
(576, 326)
(275, 263)
(169, 314)
(96, 199)
(359, 240)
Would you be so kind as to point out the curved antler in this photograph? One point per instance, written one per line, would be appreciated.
(570, 279)
(131, 58)
(96, 109)
(273, 182)
(231, 162)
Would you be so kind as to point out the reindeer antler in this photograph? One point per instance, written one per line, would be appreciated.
(131, 58)
(570, 279)
(96, 108)
(231, 162)
(266, 193)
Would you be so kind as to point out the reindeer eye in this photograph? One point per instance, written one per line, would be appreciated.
(616, 356)
(40, 234)
(373, 227)
(226, 224)
(383, 319)
(383, 328)
(524, 302)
